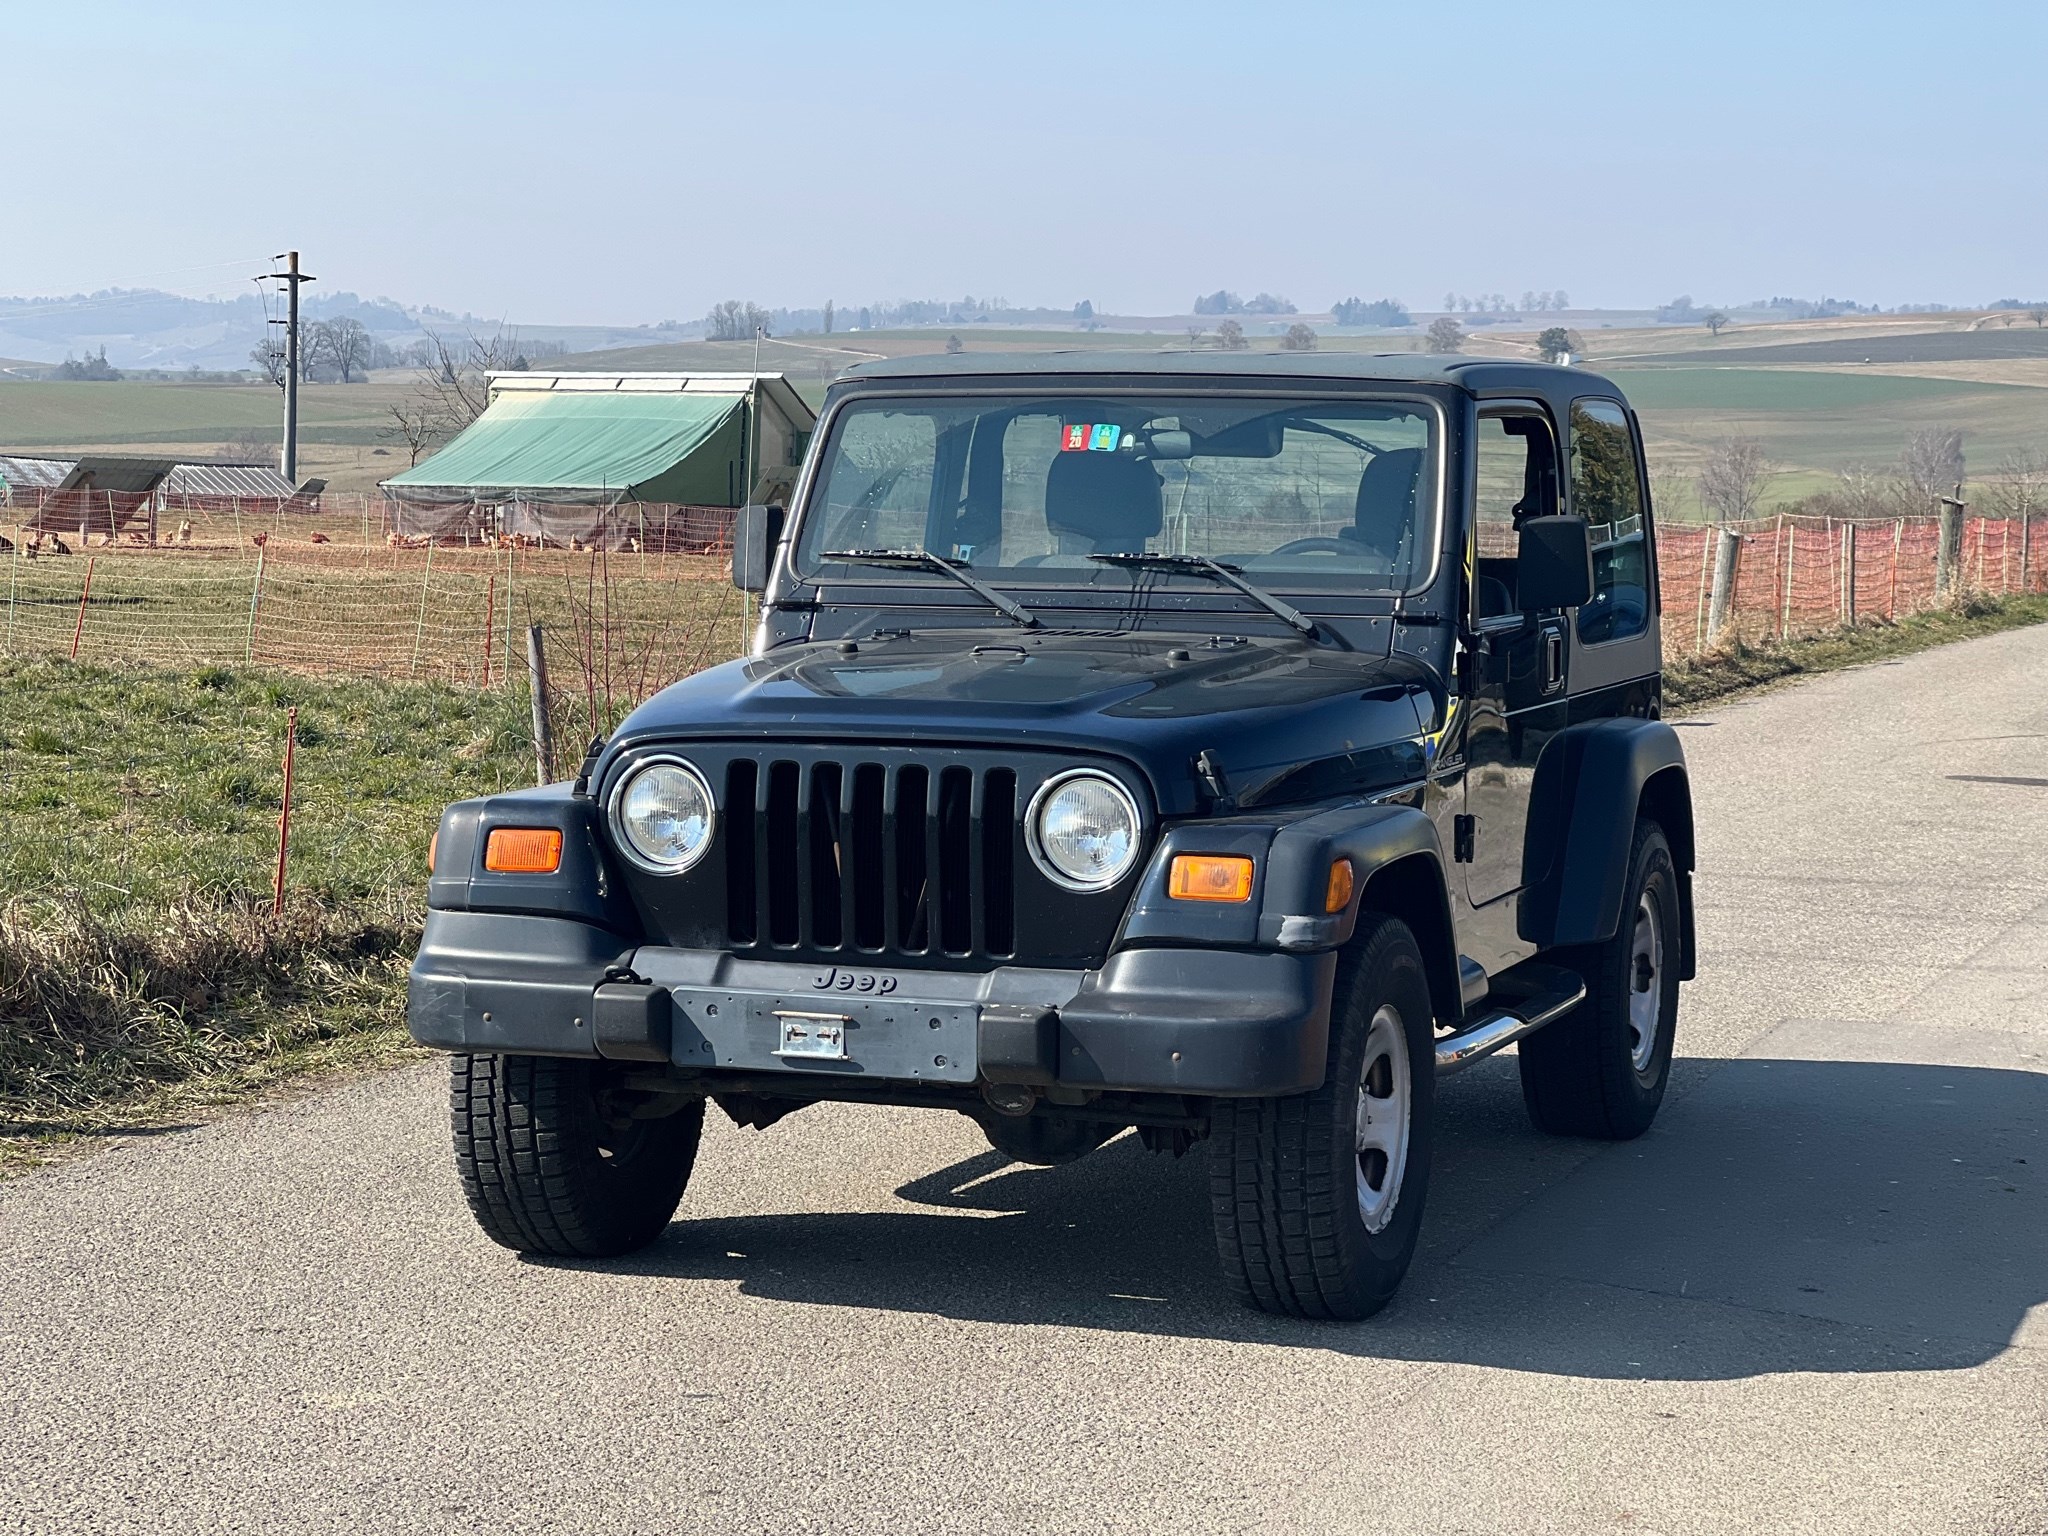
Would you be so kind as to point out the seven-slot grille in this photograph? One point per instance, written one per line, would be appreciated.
(866, 855)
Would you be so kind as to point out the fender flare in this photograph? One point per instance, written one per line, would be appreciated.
(1592, 783)
(1397, 865)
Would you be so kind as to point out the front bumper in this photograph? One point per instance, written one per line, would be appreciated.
(1217, 1022)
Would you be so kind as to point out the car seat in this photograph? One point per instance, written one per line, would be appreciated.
(1102, 503)
(1383, 517)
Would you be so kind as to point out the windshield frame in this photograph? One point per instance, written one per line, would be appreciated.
(825, 441)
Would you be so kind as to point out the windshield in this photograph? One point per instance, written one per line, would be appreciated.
(1304, 495)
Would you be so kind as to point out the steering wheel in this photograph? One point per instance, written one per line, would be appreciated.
(1318, 547)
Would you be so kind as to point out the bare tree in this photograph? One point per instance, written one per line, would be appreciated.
(411, 425)
(1731, 481)
(1714, 320)
(2038, 314)
(1230, 336)
(1871, 493)
(1446, 335)
(269, 356)
(1299, 338)
(1933, 461)
(342, 344)
(251, 445)
(2018, 487)
(1195, 335)
(454, 387)
(734, 320)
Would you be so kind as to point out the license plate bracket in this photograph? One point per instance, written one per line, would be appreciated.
(807, 1036)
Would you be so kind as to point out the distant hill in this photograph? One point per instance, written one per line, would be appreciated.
(143, 328)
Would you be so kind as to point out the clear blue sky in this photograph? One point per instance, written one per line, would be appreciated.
(606, 160)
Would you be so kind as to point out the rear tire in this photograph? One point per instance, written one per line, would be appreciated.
(553, 1163)
(1600, 1071)
(1317, 1197)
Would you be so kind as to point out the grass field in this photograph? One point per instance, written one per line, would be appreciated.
(137, 950)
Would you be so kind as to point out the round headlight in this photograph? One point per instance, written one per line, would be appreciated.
(1084, 830)
(663, 816)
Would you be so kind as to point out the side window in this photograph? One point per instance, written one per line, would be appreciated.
(1608, 493)
(1516, 480)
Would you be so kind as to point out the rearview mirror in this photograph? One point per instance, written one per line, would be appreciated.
(755, 533)
(1555, 567)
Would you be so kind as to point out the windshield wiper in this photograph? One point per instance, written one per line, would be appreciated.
(1216, 570)
(925, 560)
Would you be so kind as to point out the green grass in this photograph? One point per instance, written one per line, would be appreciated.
(55, 415)
(140, 968)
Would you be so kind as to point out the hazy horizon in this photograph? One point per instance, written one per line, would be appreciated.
(634, 162)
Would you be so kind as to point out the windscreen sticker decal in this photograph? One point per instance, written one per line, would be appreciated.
(1083, 436)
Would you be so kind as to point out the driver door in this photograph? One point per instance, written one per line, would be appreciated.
(1516, 689)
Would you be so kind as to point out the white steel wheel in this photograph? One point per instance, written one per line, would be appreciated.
(1645, 984)
(1382, 1119)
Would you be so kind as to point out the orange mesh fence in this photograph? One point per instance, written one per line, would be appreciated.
(337, 592)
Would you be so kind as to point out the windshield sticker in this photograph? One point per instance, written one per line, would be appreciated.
(1084, 436)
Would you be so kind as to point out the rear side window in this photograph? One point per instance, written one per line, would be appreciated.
(1607, 491)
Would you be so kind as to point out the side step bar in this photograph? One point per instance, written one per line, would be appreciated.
(1522, 1001)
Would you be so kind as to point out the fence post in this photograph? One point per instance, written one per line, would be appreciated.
(1727, 560)
(1699, 618)
(255, 601)
(13, 576)
(419, 629)
(1848, 573)
(284, 815)
(1891, 596)
(2026, 581)
(78, 630)
(490, 616)
(1948, 551)
(1791, 544)
(543, 738)
(511, 571)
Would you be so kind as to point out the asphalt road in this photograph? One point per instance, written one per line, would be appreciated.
(1814, 1298)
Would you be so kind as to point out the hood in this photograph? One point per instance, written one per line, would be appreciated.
(1286, 719)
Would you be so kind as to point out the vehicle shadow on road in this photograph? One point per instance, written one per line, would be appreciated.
(1783, 1216)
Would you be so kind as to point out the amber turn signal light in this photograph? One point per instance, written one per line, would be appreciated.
(1338, 897)
(523, 851)
(1209, 877)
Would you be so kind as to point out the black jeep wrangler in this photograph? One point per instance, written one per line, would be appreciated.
(1215, 745)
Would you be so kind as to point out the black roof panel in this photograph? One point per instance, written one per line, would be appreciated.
(1478, 374)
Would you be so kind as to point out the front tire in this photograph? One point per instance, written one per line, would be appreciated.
(554, 1162)
(1600, 1071)
(1317, 1197)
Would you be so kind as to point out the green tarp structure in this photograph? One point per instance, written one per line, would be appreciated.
(597, 447)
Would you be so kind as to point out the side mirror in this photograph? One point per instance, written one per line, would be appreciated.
(1555, 567)
(755, 533)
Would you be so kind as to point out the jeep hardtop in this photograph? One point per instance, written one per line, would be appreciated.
(1216, 745)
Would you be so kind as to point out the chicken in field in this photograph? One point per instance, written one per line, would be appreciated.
(259, 539)
(184, 535)
(321, 538)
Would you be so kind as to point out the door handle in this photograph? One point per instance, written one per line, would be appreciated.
(1553, 660)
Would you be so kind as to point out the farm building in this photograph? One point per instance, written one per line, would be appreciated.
(612, 459)
(109, 495)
